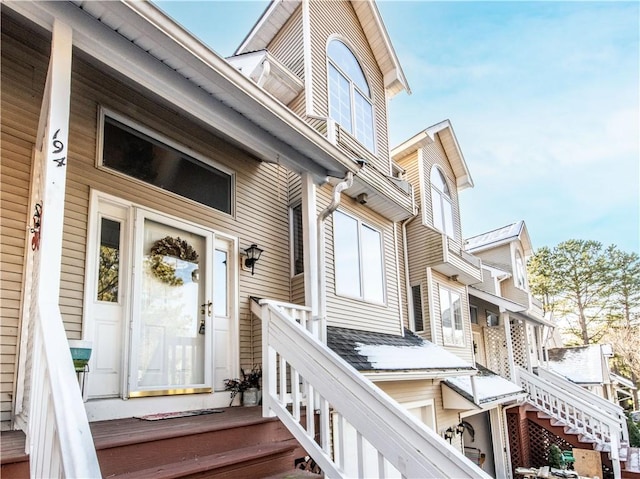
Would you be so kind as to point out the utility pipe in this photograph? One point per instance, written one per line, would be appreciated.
(322, 284)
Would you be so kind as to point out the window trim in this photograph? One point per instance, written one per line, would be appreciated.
(441, 289)
(443, 197)
(159, 137)
(353, 88)
(360, 223)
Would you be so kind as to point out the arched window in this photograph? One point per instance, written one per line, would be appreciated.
(350, 102)
(441, 202)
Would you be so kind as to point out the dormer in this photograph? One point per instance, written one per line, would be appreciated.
(507, 249)
(432, 161)
(341, 53)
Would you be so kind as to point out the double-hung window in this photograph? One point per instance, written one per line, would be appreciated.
(359, 268)
(350, 103)
(441, 203)
(451, 315)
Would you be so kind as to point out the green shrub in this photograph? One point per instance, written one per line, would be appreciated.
(634, 433)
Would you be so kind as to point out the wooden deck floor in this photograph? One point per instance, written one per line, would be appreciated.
(120, 432)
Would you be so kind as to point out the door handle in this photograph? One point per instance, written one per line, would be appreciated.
(208, 307)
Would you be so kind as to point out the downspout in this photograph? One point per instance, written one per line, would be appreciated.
(405, 252)
(322, 284)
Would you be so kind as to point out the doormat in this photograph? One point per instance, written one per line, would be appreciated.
(173, 415)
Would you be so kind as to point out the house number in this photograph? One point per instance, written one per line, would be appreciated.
(58, 147)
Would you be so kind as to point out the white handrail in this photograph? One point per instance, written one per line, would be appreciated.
(58, 436)
(614, 410)
(315, 379)
(578, 415)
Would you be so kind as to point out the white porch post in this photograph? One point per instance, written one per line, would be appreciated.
(506, 323)
(310, 242)
(52, 141)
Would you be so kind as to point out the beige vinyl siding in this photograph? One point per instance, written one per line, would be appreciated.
(288, 47)
(499, 257)
(337, 18)
(412, 391)
(23, 69)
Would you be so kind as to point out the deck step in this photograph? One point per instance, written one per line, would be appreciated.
(252, 461)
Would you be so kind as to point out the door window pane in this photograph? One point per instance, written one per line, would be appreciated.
(298, 245)
(220, 293)
(109, 261)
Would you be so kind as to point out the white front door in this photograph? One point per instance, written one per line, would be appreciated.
(160, 305)
(171, 340)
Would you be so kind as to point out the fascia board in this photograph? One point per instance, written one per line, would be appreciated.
(379, 376)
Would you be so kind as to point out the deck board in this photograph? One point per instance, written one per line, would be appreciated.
(119, 432)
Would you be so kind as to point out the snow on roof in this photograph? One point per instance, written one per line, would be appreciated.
(494, 238)
(425, 356)
(368, 351)
(582, 364)
(489, 386)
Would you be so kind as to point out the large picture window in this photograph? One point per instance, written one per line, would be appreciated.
(140, 156)
(441, 202)
(451, 315)
(358, 259)
(350, 103)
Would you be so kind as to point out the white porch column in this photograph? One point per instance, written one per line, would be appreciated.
(52, 141)
(310, 244)
(506, 324)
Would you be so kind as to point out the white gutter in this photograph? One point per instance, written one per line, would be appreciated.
(322, 284)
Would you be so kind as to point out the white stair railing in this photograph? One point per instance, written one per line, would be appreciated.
(614, 410)
(352, 428)
(58, 436)
(574, 413)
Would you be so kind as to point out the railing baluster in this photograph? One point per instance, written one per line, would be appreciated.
(360, 454)
(295, 394)
(382, 466)
(310, 410)
(283, 381)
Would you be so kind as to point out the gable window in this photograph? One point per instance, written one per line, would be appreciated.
(297, 250)
(520, 272)
(441, 202)
(358, 259)
(148, 159)
(350, 103)
(416, 296)
(451, 314)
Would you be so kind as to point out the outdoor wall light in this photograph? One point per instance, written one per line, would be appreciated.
(460, 428)
(253, 255)
(448, 434)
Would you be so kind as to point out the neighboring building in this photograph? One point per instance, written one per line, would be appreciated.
(514, 338)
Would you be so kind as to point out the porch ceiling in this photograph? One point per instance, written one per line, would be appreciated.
(148, 49)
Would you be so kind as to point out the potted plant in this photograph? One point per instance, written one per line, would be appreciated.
(248, 385)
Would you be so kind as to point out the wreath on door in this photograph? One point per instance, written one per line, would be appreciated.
(172, 247)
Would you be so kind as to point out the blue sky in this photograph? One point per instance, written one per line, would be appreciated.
(543, 97)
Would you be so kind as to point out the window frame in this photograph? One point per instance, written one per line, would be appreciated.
(292, 238)
(169, 143)
(444, 197)
(473, 308)
(354, 90)
(488, 313)
(520, 271)
(413, 308)
(360, 224)
(450, 292)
